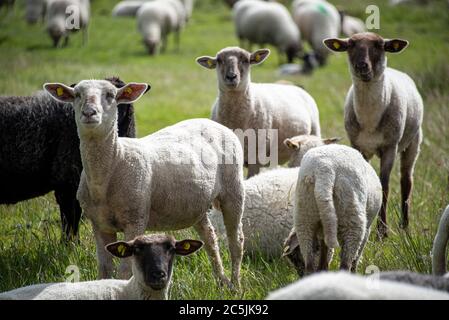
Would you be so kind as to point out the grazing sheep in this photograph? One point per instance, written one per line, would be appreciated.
(164, 181)
(127, 8)
(62, 18)
(242, 104)
(338, 195)
(346, 286)
(439, 280)
(352, 25)
(155, 21)
(317, 20)
(267, 23)
(383, 112)
(39, 151)
(152, 265)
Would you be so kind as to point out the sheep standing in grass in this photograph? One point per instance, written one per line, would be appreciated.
(39, 151)
(317, 20)
(127, 8)
(383, 112)
(164, 181)
(267, 23)
(65, 16)
(346, 286)
(155, 21)
(338, 195)
(242, 104)
(152, 265)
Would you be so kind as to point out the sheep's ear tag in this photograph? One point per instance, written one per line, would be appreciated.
(286, 249)
(336, 45)
(121, 249)
(258, 58)
(209, 62)
(396, 45)
(59, 91)
(129, 90)
(186, 246)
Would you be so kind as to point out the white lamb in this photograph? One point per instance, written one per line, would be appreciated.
(164, 181)
(242, 104)
(338, 195)
(346, 286)
(152, 265)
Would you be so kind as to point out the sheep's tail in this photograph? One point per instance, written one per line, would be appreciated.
(324, 189)
(439, 245)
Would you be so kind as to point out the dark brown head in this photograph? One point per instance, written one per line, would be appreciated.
(153, 257)
(293, 253)
(366, 52)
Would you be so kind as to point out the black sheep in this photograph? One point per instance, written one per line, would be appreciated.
(39, 151)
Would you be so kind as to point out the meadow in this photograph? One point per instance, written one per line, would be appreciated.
(30, 247)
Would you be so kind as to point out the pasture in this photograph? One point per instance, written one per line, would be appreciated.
(30, 247)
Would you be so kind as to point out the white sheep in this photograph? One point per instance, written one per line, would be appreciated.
(59, 25)
(352, 25)
(317, 20)
(242, 104)
(338, 195)
(383, 112)
(345, 286)
(155, 21)
(165, 181)
(127, 8)
(152, 264)
(264, 23)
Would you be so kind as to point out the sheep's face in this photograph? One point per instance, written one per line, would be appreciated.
(301, 144)
(153, 257)
(95, 102)
(366, 53)
(233, 66)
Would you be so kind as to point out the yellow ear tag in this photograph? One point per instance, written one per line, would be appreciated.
(209, 63)
(286, 249)
(129, 90)
(59, 91)
(258, 58)
(186, 246)
(395, 45)
(121, 249)
(336, 45)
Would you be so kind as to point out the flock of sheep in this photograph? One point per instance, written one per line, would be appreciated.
(175, 178)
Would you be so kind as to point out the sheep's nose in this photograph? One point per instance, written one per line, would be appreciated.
(89, 112)
(362, 65)
(231, 76)
(158, 274)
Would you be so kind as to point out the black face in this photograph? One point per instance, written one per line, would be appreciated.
(292, 52)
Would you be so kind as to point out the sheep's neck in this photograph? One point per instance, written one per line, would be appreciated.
(234, 107)
(135, 291)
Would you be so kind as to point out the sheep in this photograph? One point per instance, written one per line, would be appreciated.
(345, 286)
(242, 104)
(39, 151)
(155, 21)
(439, 280)
(127, 8)
(164, 181)
(59, 24)
(338, 195)
(352, 25)
(317, 20)
(152, 265)
(267, 23)
(383, 112)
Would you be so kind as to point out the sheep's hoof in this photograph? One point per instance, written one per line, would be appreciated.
(381, 231)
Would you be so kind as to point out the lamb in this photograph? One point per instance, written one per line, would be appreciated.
(152, 264)
(383, 112)
(127, 8)
(352, 25)
(164, 181)
(338, 195)
(39, 151)
(345, 286)
(267, 23)
(317, 20)
(57, 24)
(155, 21)
(242, 104)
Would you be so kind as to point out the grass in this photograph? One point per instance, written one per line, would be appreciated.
(30, 246)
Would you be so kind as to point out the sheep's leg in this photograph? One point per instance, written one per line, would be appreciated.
(105, 266)
(408, 161)
(70, 211)
(324, 255)
(386, 165)
(355, 263)
(253, 169)
(351, 239)
(207, 233)
(307, 244)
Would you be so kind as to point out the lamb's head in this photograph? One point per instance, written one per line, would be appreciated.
(366, 53)
(293, 254)
(301, 144)
(233, 66)
(95, 102)
(153, 257)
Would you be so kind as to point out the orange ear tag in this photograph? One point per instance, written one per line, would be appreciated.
(121, 249)
(336, 45)
(186, 246)
(59, 91)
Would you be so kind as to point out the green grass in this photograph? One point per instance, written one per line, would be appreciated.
(30, 247)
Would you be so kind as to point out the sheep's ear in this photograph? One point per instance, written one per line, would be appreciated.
(186, 247)
(207, 62)
(291, 144)
(331, 140)
(290, 244)
(120, 249)
(131, 92)
(334, 44)
(259, 56)
(395, 45)
(60, 92)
